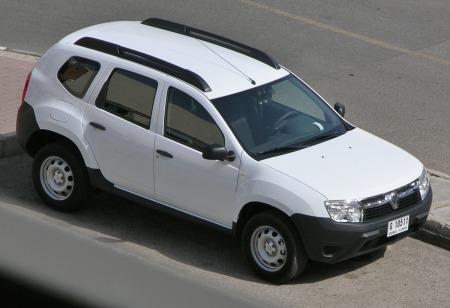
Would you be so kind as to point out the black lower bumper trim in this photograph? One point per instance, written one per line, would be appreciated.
(330, 242)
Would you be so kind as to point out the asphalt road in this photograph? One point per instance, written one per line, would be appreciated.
(63, 266)
(116, 253)
(388, 61)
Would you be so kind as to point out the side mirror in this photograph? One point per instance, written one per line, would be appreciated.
(218, 152)
(340, 108)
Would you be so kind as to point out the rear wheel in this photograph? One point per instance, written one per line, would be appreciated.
(60, 177)
(273, 247)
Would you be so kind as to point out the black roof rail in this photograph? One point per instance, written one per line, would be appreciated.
(145, 59)
(212, 38)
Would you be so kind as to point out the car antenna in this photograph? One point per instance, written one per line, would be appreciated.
(247, 77)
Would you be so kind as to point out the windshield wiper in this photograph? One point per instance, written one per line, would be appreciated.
(304, 145)
(282, 149)
(321, 138)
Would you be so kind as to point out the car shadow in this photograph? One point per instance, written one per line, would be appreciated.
(118, 220)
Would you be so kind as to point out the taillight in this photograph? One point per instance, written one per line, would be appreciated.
(25, 88)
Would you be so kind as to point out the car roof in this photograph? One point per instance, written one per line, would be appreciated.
(225, 71)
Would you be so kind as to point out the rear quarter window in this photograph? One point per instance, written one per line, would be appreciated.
(77, 74)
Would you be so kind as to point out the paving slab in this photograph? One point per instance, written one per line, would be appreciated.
(14, 68)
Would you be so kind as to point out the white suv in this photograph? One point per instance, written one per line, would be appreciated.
(204, 127)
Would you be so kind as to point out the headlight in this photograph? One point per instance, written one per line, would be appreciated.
(424, 184)
(344, 210)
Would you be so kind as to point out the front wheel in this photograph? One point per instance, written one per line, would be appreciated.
(60, 177)
(273, 247)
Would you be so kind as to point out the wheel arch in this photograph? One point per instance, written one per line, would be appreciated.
(43, 137)
(251, 209)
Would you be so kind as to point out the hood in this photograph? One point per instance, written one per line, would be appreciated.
(355, 165)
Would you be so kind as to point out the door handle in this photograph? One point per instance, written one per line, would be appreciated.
(96, 125)
(164, 153)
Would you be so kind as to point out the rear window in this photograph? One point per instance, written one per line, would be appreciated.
(77, 74)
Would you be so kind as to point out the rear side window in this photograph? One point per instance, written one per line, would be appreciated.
(129, 96)
(77, 74)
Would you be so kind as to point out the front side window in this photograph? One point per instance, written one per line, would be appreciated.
(77, 74)
(279, 117)
(129, 96)
(188, 122)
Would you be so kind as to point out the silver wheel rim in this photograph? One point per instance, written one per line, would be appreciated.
(268, 248)
(57, 178)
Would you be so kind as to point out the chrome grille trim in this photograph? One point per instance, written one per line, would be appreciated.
(380, 205)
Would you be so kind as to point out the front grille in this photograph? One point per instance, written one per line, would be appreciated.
(378, 206)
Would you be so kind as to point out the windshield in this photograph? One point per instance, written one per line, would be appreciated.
(279, 117)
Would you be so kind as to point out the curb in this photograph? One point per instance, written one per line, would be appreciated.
(21, 52)
(434, 232)
(9, 145)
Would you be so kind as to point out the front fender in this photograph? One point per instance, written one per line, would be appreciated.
(260, 183)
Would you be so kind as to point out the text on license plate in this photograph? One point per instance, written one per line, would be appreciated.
(398, 226)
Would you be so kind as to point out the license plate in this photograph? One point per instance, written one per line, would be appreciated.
(398, 226)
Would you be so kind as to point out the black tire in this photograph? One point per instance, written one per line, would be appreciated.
(273, 247)
(60, 177)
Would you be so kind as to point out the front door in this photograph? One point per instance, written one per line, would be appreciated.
(183, 179)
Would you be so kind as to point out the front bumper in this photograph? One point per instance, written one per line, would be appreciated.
(330, 242)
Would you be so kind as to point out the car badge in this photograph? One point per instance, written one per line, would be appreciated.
(393, 199)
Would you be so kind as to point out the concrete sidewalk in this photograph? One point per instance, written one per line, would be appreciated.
(14, 67)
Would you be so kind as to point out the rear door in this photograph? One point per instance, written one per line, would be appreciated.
(119, 126)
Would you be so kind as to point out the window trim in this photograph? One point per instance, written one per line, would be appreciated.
(179, 139)
(101, 100)
(96, 64)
